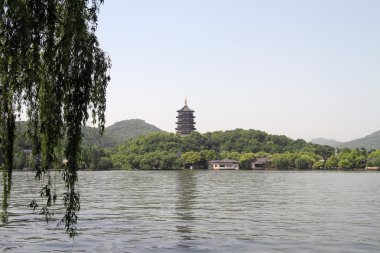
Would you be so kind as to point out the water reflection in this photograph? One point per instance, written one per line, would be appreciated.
(7, 182)
(186, 188)
(206, 211)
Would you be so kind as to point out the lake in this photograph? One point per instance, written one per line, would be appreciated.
(205, 211)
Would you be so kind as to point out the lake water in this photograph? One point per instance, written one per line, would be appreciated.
(206, 211)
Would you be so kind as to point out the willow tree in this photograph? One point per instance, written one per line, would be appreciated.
(53, 71)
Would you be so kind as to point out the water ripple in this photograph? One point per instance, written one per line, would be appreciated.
(205, 211)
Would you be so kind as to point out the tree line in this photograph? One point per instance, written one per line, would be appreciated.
(168, 151)
(171, 151)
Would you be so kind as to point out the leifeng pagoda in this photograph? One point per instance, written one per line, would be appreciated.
(185, 120)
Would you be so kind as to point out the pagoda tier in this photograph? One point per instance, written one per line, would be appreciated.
(185, 120)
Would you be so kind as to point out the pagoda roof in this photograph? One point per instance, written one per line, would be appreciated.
(185, 109)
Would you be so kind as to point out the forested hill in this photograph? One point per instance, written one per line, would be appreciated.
(147, 147)
(239, 140)
(114, 135)
(368, 142)
(118, 133)
(129, 132)
(168, 150)
(323, 141)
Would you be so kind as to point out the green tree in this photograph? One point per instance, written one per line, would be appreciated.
(246, 159)
(91, 157)
(206, 155)
(324, 151)
(194, 142)
(281, 161)
(104, 163)
(148, 161)
(262, 154)
(169, 161)
(349, 159)
(319, 164)
(230, 155)
(332, 162)
(51, 64)
(304, 161)
(191, 159)
(345, 163)
(134, 161)
(119, 160)
(374, 159)
(20, 160)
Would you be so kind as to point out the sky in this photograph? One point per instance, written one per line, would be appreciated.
(304, 69)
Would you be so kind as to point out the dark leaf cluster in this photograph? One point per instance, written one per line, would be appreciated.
(51, 66)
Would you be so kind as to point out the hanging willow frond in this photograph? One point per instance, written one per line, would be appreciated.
(52, 65)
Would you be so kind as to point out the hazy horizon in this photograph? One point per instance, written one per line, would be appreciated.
(304, 69)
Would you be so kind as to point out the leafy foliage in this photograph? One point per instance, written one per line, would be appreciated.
(247, 158)
(151, 151)
(194, 150)
(332, 162)
(51, 65)
(350, 159)
(374, 159)
(95, 158)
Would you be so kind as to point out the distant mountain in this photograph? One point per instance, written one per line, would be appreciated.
(368, 142)
(371, 141)
(118, 133)
(114, 135)
(329, 142)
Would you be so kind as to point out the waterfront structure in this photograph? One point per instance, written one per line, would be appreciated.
(225, 164)
(185, 120)
(372, 168)
(260, 163)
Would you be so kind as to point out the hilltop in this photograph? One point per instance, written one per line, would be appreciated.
(118, 133)
(329, 142)
(114, 135)
(371, 141)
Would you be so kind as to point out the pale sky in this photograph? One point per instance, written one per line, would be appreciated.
(305, 69)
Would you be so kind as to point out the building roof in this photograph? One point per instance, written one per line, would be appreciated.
(261, 160)
(225, 160)
(185, 109)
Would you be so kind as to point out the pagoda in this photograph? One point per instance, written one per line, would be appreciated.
(185, 120)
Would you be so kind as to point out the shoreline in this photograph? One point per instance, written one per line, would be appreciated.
(263, 170)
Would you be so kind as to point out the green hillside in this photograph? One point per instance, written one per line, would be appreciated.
(118, 133)
(368, 142)
(172, 151)
(122, 131)
(329, 142)
(114, 135)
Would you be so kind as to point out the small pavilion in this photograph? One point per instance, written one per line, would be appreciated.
(225, 164)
